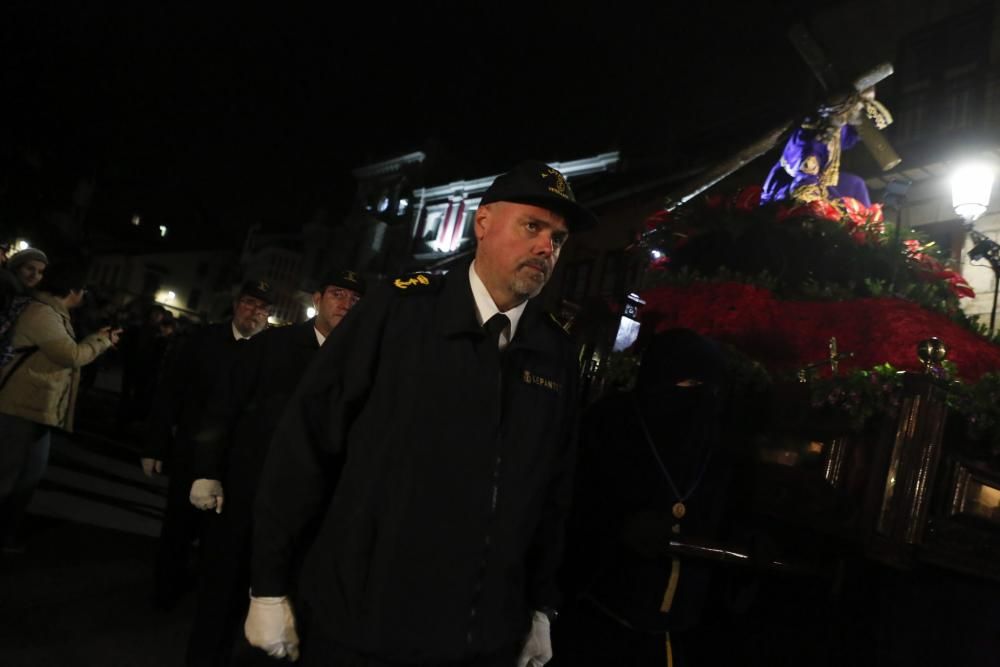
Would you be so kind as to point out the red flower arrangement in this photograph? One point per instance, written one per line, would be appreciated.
(786, 334)
(779, 292)
(866, 224)
(930, 269)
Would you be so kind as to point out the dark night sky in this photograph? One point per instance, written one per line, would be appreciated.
(209, 118)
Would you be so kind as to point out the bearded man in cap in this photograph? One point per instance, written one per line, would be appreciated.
(230, 448)
(190, 374)
(432, 444)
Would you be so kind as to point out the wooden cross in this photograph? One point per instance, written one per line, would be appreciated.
(811, 52)
(823, 70)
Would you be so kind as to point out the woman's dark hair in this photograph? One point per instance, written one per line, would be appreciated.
(61, 278)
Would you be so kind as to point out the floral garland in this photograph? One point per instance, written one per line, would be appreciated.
(836, 249)
(873, 393)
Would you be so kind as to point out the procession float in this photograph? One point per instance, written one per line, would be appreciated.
(871, 400)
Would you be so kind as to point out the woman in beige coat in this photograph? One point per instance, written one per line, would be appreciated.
(38, 389)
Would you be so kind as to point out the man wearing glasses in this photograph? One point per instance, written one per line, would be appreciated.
(190, 374)
(230, 448)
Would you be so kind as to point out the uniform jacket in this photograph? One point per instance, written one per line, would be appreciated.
(244, 410)
(190, 374)
(446, 525)
(43, 388)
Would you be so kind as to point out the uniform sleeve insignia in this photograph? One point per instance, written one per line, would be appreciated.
(417, 280)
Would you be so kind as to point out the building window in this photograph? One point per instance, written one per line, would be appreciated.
(432, 220)
(941, 75)
(960, 105)
(446, 228)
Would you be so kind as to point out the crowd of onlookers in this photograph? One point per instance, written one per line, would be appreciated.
(56, 334)
(40, 373)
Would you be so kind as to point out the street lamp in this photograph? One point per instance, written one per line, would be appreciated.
(971, 186)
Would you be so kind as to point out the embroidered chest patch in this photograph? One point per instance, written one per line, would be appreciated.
(537, 380)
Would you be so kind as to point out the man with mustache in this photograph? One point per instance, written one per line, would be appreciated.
(230, 448)
(190, 374)
(426, 461)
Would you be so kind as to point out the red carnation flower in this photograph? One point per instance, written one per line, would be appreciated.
(855, 210)
(824, 209)
(747, 199)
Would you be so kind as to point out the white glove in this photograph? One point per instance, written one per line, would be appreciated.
(538, 646)
(206, 494)
(149, 466)
(270, 626)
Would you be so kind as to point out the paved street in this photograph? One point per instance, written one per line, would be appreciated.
(80, 594)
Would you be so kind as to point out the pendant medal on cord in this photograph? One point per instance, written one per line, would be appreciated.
(679, 509)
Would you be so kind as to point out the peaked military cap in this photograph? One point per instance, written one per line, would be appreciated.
(258, 289)
(351, 280)
(536, 183)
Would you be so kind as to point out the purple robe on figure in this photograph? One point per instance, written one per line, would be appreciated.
(803, 163)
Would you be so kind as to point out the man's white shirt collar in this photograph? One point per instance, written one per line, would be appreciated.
(320, 338)
(487, 308)
(236, 333)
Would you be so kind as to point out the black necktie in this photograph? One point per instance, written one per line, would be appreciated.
(491, 355)
(494, 327)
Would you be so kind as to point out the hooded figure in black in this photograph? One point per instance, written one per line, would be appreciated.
(651, 468)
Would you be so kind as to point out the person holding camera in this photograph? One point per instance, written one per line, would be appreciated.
(38, 388)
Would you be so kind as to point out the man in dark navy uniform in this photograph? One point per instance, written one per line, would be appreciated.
(190, 374)
(230, 448)
(433, 442)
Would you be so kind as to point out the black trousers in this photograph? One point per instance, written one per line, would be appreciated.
(176, 557)
(223, 596)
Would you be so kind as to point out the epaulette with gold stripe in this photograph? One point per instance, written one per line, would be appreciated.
(417, 282)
